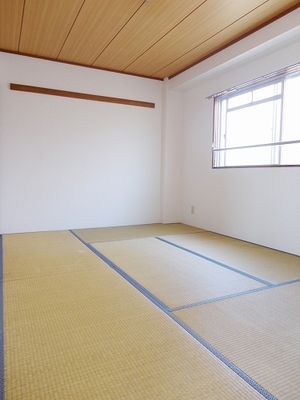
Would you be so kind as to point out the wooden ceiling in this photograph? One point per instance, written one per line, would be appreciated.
(151, 38)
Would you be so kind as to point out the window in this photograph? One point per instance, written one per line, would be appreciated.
(258, 123)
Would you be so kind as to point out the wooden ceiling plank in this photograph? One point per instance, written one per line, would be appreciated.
(97, 24)
(145, 38)
(211, 18)
(46, 25)
(252, 22)
(11, 12)
(153, 20)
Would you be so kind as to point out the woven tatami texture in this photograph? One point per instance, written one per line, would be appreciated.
(268, 264)
(175, 277)
(259, 333)
(75, 329)
(132, 232)
(45, 253)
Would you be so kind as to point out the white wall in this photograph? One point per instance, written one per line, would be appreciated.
(260, 205)
(68, 163)
(172, 127)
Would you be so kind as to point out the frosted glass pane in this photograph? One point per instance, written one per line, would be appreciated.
(290, 154)
(240, 100)
(251, 125)
(291, 110)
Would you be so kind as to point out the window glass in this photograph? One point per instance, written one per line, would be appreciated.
(239, 100)
(250, 125)
(290, 154)
(260, 125)
(291, 111)
(266, 91)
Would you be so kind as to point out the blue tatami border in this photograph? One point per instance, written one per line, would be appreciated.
(216, 262)
(255, 385)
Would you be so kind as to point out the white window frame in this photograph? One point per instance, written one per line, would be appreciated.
(221, 112)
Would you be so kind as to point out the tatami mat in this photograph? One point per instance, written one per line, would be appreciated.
(133, 232)
(175, 277)
(259, 333)
(88, 334)
(44, 253)
(268, 264)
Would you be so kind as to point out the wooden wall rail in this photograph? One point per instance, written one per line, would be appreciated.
(83, 96)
